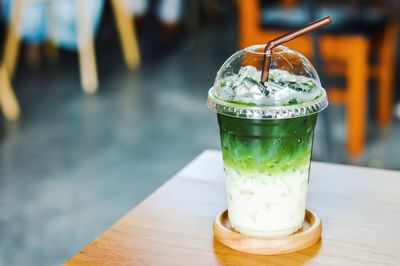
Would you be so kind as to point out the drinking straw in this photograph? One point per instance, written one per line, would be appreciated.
(288, 37)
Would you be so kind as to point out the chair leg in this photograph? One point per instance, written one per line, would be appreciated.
(385, 75)
(12, 44)
(127, 34)
(356, 100)
(249, 21)
(87, 58)
(8, 101)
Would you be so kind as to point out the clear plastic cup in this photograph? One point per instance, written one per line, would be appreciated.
(266, 137)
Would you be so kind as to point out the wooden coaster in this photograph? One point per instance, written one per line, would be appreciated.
(307, 236)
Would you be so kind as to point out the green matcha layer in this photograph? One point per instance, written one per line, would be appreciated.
(269, 146)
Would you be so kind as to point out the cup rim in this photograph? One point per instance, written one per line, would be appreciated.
(267, 112)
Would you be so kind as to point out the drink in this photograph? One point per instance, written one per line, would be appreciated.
(266, 138)
(266, 172)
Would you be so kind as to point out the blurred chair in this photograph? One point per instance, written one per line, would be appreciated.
(346, 43)
(8, 102)
(85, 38)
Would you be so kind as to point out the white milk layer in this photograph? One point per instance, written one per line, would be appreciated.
(265, 205)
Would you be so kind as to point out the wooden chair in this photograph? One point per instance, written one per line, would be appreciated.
(352, 50)
(87, 61)
(9, 103)
(126, 30)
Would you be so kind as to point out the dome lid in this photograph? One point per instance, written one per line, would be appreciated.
(293, 88)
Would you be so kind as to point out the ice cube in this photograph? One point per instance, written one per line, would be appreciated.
(248, 71)
(226, 93)
(245, 72)
(283, 95)
(282, 88)
(256, 91)
(294, 82)
(249, 90)
(241, 90)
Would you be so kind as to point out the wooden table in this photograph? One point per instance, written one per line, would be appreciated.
(359, 207)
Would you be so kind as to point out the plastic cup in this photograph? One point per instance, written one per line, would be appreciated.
(267, 143)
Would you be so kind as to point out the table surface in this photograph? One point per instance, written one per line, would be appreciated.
(359, 208)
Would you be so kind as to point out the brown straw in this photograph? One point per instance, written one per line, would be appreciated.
(288, 37)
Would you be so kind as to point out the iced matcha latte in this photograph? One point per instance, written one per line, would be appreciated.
(266, 136)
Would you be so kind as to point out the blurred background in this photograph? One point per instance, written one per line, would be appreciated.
(103, 101)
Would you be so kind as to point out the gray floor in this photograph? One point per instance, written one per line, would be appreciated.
(75, 163)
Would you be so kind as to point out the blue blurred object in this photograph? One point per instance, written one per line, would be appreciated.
(62, 29)
(54, 20)
(34, 19)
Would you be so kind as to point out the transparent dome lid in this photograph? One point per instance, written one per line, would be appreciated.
(293, 87)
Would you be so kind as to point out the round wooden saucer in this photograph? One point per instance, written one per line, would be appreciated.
(307, 236)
